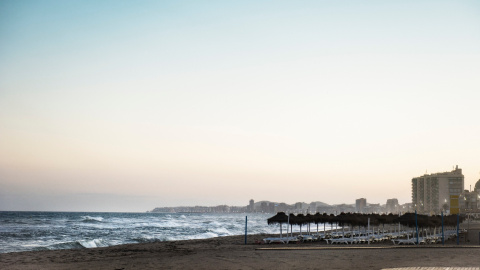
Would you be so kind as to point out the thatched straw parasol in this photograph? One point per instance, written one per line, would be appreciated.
(280, 218)
(300, 220)
(321, 218)
(407, 219)
(292, 220)
(317, 219)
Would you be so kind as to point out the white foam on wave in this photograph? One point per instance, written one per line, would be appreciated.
(215, 223)
(150, 239)
(166, 224)
(204, 235)
(221, 231)
(89, 218)
(93, 243)
(99, 229)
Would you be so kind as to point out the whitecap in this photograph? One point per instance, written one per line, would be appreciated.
(221, 231)
(204, 235)
(93, 243)
(92, 219)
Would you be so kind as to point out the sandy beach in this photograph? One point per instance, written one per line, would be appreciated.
(231, 253)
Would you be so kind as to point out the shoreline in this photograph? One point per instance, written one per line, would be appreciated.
(230, 252)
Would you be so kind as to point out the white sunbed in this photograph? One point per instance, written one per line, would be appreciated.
(320, 236)
(338, 241)
(411, 241)
(379, 238)
(363, 239)
(307, 238)
(282, 240)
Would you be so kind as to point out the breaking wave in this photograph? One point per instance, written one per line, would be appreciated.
(89, 219)
(24, 231)
(80, 244)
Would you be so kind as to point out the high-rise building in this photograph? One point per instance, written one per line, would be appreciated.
(271, 207)
(392, 206)
(251, 206)
(360, 205)
(298, 206)
(282, 207)
(431, 193)
(264, 207)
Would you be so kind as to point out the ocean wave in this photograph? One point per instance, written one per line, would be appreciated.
(21, 232)
(90, 219)
(95, 243)
(203, 235)
(221, 231)
(149, 239)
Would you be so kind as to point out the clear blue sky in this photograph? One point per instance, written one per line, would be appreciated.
(128, 105)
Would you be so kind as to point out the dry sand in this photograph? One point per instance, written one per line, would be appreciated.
(231, 253)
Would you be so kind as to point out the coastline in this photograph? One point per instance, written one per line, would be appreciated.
(230, 252)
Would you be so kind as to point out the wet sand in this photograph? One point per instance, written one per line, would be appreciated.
(231, 253)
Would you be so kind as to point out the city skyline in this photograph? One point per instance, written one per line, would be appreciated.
(264, 206)
(125, 105)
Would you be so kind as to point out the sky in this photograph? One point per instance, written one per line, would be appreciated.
(131, 105)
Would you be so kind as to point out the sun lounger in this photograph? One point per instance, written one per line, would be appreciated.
(338, 241)
(379, 238)
(282, 240)
(411, 241)
(307, 238)
(320, 236)
(363, 239)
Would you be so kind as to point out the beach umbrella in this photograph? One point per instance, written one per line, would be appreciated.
(423, 221)
(359, 220)
(317, 219)
(309, 219)
(362, 220)
(321, 218)
(407, 219)
(332, 219)
(384, 219)
(434, 221)
(451, 220)
(344, 219)
(291, 220)
(280, 218)
(374, 221)
(391, 218)
(300, 220)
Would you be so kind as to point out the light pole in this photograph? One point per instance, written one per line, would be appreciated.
(416, 224)
(443, 235)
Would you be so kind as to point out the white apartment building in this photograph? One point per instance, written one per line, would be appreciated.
(431, 192)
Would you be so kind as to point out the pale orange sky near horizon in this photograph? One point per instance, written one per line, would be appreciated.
(207, 103)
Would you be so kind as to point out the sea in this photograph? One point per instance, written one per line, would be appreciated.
(28, 231)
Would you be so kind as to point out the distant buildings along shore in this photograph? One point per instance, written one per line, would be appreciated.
(431, 194)
(392, 206)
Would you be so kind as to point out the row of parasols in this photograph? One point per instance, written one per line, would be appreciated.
(364, 220)
(356, 219)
